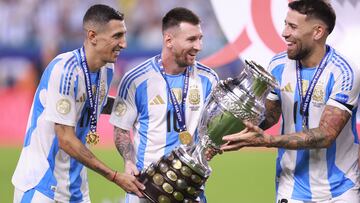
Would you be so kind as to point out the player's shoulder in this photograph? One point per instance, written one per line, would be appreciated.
(280, 58)
(64, 62)
(206, 71)
(139, 72)
(342, 62)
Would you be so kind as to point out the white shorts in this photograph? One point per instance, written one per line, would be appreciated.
(350, 196)
(34, 196)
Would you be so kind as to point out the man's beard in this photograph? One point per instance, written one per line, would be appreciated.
(303, 53)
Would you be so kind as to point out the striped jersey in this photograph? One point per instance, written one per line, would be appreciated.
(60, 98)
(317, 174)
(143, 105)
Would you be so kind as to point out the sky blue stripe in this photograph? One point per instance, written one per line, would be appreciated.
(338, 182)
(38, 107)
(130, 75)
(148, 68)
(28, 195)
(75, 180)
(141, 100)
(279, 169)
(48, 179)
(172, 137)
(329, 87)
(206, 86)
(302, 188)
(67, 68)
(353, 125)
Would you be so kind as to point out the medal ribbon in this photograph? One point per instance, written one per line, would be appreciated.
(93, 101)
(179, 112)
(305, 101)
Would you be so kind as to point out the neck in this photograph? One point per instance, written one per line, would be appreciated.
(314, 57)
(170, 66)
(94, 63)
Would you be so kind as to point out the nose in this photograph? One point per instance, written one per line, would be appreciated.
(198, 45)
(285, 33)
(123, 43)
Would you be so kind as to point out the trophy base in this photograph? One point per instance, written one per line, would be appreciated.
(171, 179)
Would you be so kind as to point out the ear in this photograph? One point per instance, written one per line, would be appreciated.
(168, 40)
(319, 32)
(91, 35)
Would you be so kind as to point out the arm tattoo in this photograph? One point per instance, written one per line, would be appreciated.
(124, 144)
(272, 114)
(331, 124)
(92, 161)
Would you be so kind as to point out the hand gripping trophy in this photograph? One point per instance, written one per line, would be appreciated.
(178, 176)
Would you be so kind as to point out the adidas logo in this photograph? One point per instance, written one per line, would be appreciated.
(287, 88)
(157, 100)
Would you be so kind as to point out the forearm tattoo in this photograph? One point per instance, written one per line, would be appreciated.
(332, 122)
(92, 163)
(124, 144)
(272, 114)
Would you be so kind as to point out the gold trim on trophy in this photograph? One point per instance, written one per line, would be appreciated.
(92, 138)
(185, 137)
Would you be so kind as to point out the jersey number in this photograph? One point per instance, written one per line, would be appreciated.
(172, 122)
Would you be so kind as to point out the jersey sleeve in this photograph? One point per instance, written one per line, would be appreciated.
(346, 88)
(124, 111)
(60, 95)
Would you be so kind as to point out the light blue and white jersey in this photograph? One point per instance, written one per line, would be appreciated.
(60, 98)
(317, 174)
(143, 105)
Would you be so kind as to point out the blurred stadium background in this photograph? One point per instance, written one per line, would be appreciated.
(32, 32)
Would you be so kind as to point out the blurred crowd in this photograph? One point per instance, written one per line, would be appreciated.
(32, 32)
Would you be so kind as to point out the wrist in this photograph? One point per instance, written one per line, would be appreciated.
(114, 176)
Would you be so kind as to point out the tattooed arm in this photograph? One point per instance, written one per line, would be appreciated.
(125, 147)
(331, 123)
(272, 114)
(70, 144)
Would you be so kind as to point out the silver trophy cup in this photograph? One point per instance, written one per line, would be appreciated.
(179, 176)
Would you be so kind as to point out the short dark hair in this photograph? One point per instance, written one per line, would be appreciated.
(102, 14)
(177, 15)
(318, 9)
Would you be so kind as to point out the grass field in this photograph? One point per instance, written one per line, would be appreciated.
(238, 177)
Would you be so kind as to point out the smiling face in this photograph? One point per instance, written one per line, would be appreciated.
(299, 35)
(110, 39)
(185, 42)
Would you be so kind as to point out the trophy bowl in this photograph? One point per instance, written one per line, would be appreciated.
(180, 175)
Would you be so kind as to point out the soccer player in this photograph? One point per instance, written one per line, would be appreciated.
(317, 98)
(72, 92)
(149, 94)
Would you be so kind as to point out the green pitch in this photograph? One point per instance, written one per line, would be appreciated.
(245, 176)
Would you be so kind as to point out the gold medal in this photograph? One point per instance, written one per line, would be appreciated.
(185, 137)
(92, 138)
